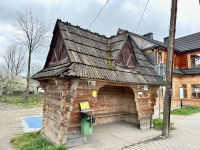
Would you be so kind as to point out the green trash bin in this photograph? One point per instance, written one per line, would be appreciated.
(86, 128)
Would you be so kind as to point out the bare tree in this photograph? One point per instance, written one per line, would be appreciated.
(32, 34)
(13, 59)
(35, 67)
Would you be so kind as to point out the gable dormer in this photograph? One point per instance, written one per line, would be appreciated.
(58, 51)
(126, 57)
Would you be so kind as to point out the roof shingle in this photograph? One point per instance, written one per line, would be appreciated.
(89, 54)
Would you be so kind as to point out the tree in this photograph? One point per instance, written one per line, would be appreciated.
(32, 34)
(13, 60)
(10, 83)
(35, 67)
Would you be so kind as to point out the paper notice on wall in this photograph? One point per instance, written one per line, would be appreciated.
(140, 93)
(84, 105)
(181, 93)
(146, 87)
(94, 93)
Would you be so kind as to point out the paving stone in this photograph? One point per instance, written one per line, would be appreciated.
(185, 137)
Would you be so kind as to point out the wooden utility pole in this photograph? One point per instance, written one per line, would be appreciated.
(169, 69)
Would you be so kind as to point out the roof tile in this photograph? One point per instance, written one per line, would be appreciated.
(89, 56)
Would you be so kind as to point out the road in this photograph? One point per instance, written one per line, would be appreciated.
(10, 122)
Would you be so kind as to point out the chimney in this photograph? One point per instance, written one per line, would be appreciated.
(166, 40)
(149, 35)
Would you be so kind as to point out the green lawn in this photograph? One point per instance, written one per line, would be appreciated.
(185, 110)
(158, 124)
(32, 141)
(33, 100)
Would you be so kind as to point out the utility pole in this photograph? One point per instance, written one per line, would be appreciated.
(169, 69)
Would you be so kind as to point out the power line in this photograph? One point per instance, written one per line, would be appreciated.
(98, 14)
(142, 16)
(140, 12)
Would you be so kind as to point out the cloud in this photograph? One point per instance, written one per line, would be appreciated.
(117, 14)
(4, 36)
(2, 39)
(128, 5)
(102, 1)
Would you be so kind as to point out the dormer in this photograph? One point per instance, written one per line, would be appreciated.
(126, 57)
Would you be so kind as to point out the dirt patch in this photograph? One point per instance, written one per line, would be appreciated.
(10, 122)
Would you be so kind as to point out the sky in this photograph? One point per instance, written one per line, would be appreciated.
(117, 14)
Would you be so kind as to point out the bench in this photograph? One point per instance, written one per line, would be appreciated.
(101, 115)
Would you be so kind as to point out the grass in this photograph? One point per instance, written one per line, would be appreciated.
(185, 110)
(32, 141)
(34, 100)
(158, 124)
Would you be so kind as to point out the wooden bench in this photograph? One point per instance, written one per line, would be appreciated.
(101, 115)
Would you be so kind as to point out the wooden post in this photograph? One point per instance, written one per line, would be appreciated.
(151, 119)
(159, 101)
(181, 103)
(169, 69)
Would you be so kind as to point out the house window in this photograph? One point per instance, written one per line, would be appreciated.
(184, 86)
(162, 91)
(195, 60)
(159, 57)
(195, 90)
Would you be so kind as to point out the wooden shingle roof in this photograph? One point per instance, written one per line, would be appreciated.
(93, 56)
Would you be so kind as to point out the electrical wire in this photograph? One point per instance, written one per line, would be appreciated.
(98, 14)
(142, 16)
(140, 13)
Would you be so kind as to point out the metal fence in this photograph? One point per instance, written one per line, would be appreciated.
(20, 98)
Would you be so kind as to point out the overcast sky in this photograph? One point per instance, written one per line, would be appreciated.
(117, 14)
